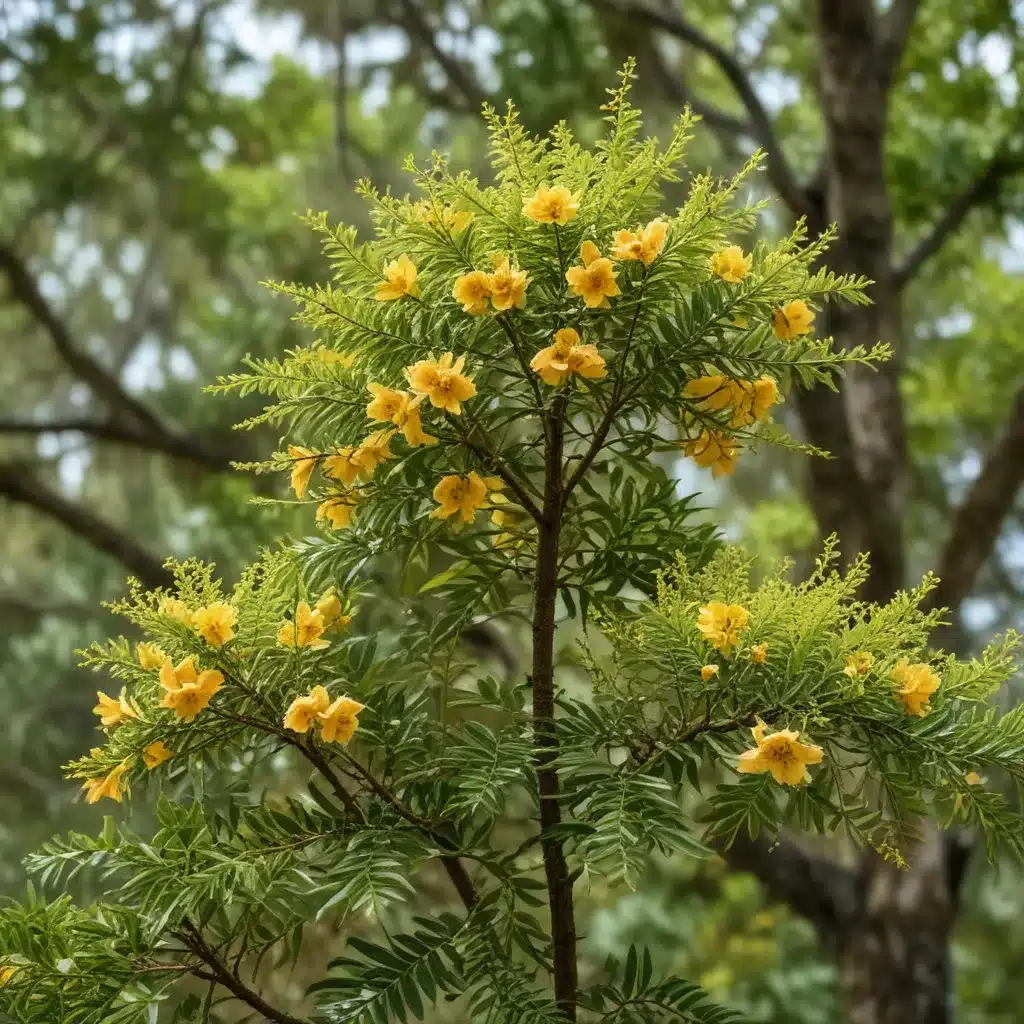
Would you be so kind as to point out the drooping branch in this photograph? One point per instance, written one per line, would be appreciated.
(984, 189)
(779, 170)
(19, 484)
(979, 519)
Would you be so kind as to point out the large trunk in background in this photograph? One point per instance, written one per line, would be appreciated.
(893, 946)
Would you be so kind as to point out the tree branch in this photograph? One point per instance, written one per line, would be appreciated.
(107, 430)
(416, 25)
(983, 190)
(779, 171)
(893, 33)
(18, 484)
(25, 290)
(221, 974)
(979, 519)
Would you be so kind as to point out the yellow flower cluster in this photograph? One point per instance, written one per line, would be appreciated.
(401, 409)
(502, 289)
(749, 400)
(714, 450)
(307, 627)
(916, 684)
(644, 244)
(568, 357)
(188, 691)
(791, 320)
(215, 623)
(464, 495)
(722, 624)
(730, 264)
(337, 720)
(858, 664)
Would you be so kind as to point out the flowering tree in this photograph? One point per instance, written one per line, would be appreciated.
(489, 380)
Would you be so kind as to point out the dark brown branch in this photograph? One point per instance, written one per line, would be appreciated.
(556, 870)
(18, 484)
(979, 519)
(458, 74)
(893, 34)
(219, 973)
(106, 430)
(25, 290)
(779, 170)
(983, 190)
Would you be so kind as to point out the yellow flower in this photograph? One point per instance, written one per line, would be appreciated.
(216, 622)
(858, 664)
(345, 465)
(6, 973)
(442, 381)
(410, 423)
(339, 721)
(374, 449)
(473, 290)
(303, 712)
(390, 406)
(329, 606)
(551, 205)
(507, 285)
(595, 281)
(109, 786)
(782, 754)
(722, 624)
(150, 656)
(511, 520)
(113, 712)
(302, 469)
(750, 400)
(916, 685)
(974, 779)
(792, 319)
(643, 245)
(713, 392)
(759, 654)
(715, 451)
(156, 753)
(176, 609)
(386, 404)
(730, 264)
(566, 358)
(305, 630)
(188, 692)
(463, 494)
(173, 677)
(708, 672)
(400, 279)
(338, 509)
